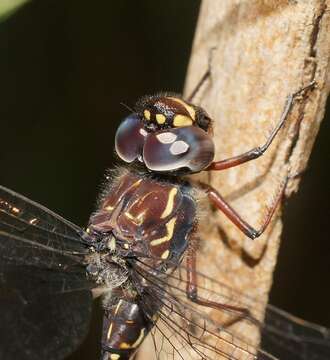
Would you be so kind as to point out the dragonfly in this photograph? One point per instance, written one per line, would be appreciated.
(136, 253)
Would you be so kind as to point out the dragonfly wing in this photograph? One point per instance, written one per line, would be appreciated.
(289, 337)
(45, 296)
(188, 331)
(45, 313)
(20, 216)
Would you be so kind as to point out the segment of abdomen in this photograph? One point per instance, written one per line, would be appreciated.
(125, 326)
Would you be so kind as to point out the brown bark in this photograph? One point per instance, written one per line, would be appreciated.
(264, 51)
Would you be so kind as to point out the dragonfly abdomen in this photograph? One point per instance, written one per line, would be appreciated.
(125, 326)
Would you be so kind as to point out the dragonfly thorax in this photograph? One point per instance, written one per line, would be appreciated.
(145, 217)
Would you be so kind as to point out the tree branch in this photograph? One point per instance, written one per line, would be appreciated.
(264, 51)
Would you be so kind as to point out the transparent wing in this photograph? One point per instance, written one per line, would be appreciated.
(290, 337)
(19, 215)
(185, 330)
(45, 296)
(45, 314)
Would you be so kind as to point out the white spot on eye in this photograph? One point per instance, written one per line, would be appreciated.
(143, 132)
(166, 137)
(179, 147)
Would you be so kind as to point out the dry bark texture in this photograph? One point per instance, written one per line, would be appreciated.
(264, 51)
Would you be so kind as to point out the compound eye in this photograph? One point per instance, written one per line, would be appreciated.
(188, 148)
(130, 138)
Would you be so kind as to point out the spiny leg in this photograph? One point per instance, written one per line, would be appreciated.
(192, 293)
(260, 150)
(221, 204)
(202, 80)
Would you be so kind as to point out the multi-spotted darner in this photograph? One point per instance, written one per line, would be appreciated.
(138, 253)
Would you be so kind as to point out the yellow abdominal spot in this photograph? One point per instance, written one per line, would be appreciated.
(114, 356)
(137, 342)
(189, 108)
(182, 120)
(169, 229)
(170, 203)
(160, 118)
(147, 114)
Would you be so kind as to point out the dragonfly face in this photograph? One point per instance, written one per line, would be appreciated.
(167, 135)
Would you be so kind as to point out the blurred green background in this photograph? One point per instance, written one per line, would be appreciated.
(66, 66)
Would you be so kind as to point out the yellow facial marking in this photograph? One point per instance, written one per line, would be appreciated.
(147, 114)
(182, 120)
(109, 208)
(170, 203)
(160, 118)
(114, 356)
(169, 229)
(189, 108)
(137, 342)
(109, 331)
(165, 254)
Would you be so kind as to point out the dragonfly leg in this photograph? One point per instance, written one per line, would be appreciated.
(260, 150)
(220, 203)
(192, 293)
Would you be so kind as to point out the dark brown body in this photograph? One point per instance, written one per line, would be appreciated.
(147, 218)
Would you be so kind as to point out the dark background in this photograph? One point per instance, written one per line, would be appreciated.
(66, 66)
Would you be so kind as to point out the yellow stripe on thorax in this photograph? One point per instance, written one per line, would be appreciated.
(170, 229)
(170, 203)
